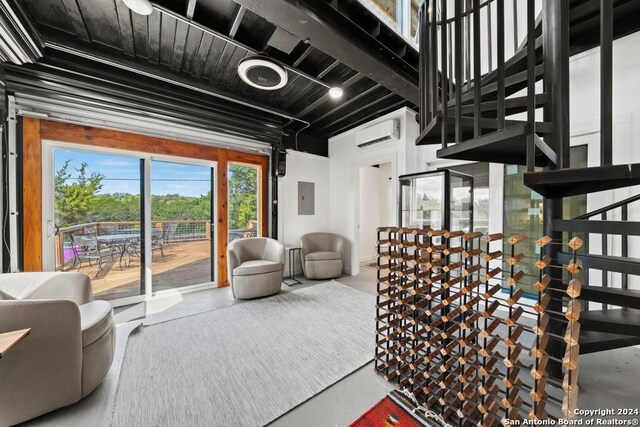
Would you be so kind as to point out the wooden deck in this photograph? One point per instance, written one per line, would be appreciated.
(184, 264)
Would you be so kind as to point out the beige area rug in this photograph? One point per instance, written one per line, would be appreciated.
(247, 364)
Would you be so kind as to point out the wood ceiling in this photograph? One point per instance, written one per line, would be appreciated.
(201, 41)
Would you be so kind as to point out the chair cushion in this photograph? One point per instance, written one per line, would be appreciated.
(323, 256)
(95, 320)
(6, 297)
(258, 266)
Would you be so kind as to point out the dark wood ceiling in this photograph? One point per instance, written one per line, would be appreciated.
(201, 41)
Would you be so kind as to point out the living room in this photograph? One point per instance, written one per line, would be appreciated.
(371, 212)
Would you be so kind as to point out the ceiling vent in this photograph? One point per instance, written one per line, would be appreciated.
(262, 72)
(386, 131)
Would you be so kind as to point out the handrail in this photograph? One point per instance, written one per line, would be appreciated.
(609, 207)
(76, 227)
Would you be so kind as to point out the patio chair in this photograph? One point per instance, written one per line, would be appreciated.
(87, 247)
(169, 232)
(157, 241)
(108, 229)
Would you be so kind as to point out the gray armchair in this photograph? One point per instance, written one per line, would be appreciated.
(255, 267)
(70, 347)
(322, 255)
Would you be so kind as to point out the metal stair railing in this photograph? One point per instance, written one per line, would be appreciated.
(624, 246)
(452, 47)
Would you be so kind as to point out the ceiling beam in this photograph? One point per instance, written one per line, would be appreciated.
(191, 8)
(367, 116)
(233, 42)
(302, 56)
(324, 98)
(236, 21)
(143, 68)
(309, 21)
(20, 41)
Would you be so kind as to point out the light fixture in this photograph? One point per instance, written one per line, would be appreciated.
(336, 92)
(262, 72)
(141, 7)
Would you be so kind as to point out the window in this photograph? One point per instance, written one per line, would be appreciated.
(244, 211)
(523, 211)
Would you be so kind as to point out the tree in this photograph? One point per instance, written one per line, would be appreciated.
(74, 196)
(243, 196)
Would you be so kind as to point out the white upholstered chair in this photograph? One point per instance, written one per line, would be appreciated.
(322, 255)
(255, 267)
(70, 347)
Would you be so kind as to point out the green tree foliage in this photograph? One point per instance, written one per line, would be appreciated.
(243, 196)
(77, 200)
(75, 196)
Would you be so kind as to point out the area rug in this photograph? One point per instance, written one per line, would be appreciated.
(247, 364)
(393, 411)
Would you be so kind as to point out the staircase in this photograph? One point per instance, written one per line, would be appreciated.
(501, 96)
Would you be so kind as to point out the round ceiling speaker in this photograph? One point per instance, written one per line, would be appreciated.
(262, 72)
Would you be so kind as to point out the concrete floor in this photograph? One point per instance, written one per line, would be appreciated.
(607, 380)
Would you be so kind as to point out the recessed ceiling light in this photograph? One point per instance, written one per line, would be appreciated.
(262, 72)
(141, 7)
(336, 92)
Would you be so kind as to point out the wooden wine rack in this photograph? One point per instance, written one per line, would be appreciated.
(456, 331)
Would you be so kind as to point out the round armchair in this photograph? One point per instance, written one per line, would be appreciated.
(255, 267)
(322, 255)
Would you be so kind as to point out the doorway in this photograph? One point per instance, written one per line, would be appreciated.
(376, 205)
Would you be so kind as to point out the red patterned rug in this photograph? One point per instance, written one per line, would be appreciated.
(392, 411)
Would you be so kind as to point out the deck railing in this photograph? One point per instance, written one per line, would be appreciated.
(184, 231)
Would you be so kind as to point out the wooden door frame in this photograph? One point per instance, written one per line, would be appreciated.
(35, 130)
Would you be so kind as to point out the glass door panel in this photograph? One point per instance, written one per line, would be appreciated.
(421, 201)
(461, 187)
(181, 234)
(244, 207)
(97, 209)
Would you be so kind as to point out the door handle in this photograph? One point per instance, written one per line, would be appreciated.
(52, 229)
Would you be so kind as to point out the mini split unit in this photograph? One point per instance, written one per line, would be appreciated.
(386, 131)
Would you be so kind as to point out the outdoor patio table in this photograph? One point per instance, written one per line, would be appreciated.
(124, 238)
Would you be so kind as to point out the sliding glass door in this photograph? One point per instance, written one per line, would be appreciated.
(136, 224)
(182, 234)
(98, 201)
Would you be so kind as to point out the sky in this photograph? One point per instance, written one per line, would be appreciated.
(122, 174)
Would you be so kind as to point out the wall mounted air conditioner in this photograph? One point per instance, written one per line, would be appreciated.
(386, 131)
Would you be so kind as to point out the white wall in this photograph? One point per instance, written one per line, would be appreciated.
(585, 125)
(369, 206)
(308, 168)
(385, 187)
(345, 159)
(376, 206)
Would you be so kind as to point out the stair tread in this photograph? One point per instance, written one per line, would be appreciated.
(626, 321)
(513, 105)
(629, 298)
(506, 146)
(570, 182)
(518, 62)
(619, 316)
(605, 262)
(592, 341)
(432, 134)
(626, 228)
